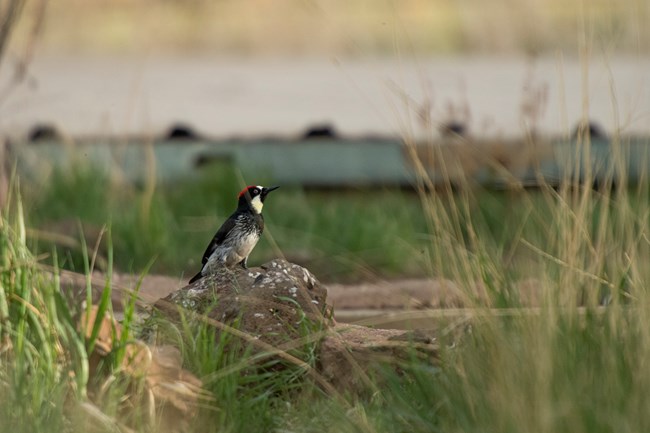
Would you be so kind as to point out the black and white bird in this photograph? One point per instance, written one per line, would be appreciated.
(239, 234)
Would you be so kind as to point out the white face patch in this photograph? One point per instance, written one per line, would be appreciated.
(256, 204)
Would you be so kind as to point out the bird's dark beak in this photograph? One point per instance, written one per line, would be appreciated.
(265, 191)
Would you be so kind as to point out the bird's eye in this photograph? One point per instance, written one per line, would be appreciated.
(256, 191)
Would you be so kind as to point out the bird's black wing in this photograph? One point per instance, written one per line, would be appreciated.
(219, 237)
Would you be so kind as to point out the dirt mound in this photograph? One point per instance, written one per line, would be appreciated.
(271, 302)
(279, 304)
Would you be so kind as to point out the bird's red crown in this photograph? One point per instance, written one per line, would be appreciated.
(243, 191)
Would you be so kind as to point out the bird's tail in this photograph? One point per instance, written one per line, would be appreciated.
(195, 277)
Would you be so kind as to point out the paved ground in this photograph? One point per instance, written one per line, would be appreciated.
(223, 97)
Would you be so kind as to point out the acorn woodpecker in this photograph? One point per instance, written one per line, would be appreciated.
(238, 235)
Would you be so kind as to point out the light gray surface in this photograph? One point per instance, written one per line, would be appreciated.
(223, 97)
(333, 163)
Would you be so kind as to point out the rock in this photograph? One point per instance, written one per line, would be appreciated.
(417, 294)
(160, 390)
(43, 132)
(182, 131)
(397, 294)
(273, 302)
(324, 130)
(349, 353)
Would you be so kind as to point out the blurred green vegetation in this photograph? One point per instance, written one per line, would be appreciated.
(350, 235)
(347, 235)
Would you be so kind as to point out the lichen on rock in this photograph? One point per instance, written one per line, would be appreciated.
(270, 302)
(283, 305)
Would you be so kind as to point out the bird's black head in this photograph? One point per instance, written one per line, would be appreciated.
(252, 197)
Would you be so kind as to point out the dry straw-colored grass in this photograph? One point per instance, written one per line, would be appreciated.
(338, 27)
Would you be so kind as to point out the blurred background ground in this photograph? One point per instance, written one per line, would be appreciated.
(257, 68)
(346, 29)
(227, 67)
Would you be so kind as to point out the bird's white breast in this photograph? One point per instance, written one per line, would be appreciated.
(247, 244)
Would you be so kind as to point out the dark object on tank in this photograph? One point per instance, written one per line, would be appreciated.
(593, 129)
(43, 132)
(453, 128)
(204, 160)
(320, 131)
(182, 131)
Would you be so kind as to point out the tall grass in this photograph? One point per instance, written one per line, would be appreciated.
(50, 382)
(43, 358)
(575, 363)
(47, 340)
